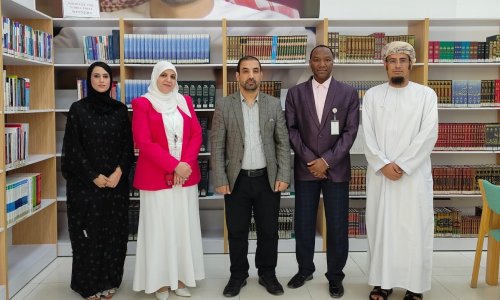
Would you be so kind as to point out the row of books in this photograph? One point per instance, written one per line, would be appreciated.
(466, 93)
(468, 136)
(133, 220)
(16, 144)
(448, 179)
(104, 48)
(272, 88)
(285, 225)
(23, 40)
(462, 179)
(360, 48)
(82, 89)
(448, 222)
(23, 195)
(465, 51)
(202, 92)
(176, 48)
(16, 93)
(268, 49)
(363, 86)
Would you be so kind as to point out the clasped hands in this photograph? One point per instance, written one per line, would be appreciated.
(392, 171)
(110, 181)
(182, 173)
(318, 168)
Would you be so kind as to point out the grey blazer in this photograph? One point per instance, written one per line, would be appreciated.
(228, 136)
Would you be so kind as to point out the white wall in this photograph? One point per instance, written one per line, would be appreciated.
(397, 9)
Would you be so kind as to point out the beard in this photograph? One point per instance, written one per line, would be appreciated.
(397, 80)
(250, 85)
(177, 2)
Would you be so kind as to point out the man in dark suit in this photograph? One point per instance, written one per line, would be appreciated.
(251, 163)
(322, 117)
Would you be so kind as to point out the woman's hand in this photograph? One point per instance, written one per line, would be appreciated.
(101, 181)
(114, 178)
(178, 180)
(183, 169)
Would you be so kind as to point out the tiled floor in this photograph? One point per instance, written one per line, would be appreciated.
(451, 276)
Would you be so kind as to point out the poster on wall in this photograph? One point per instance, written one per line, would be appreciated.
(210, 9)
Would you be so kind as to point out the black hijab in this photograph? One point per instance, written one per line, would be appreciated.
(101, 102)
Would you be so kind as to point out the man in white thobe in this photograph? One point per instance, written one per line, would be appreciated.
(400, 124)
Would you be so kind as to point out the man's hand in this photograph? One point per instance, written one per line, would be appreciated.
(318, 168)
(392, 171)
(280, 186)
(224, 190)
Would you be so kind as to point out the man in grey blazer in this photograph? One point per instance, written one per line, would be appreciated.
(322, 116)
(251, 163)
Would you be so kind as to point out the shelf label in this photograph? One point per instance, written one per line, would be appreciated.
(81, 8)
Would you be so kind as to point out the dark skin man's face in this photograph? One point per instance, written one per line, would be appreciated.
(321, 64)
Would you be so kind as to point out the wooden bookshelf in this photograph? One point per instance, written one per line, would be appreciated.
(29, 244)
(223, 72)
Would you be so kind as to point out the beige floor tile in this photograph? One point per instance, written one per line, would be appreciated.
(459, 287)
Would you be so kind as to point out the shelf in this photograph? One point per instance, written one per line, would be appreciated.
(80, 66)
(26, 261)
(88, 22)
(438, 22)
(178, 66)
(471, 64)
(371, 23)
(45, 203)
(470, 108)
(436, 195)
(364, 65)
(14, 10)
(204, 154)
(276, 66)
(31, 111)
(32, 159)
(162, 22)
(274, 23)
(13, 59)
(465, 151)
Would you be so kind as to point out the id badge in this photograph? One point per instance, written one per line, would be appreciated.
(335, 128)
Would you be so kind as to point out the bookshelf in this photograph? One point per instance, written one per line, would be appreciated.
(69, 64)
(29, 244)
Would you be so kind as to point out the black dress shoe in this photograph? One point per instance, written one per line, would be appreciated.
(336, 289)
(271, 284)
(298, 280)
(233, 287)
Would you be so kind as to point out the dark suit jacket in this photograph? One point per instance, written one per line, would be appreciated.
(228, 136)
(311, 139)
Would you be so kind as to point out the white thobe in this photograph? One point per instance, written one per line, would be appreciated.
(400, 125)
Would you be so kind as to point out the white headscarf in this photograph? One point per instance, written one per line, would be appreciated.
(165, 103)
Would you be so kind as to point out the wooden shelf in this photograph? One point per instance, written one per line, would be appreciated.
(90, 22)
(14, 59)
(32, 159)
(31, 111)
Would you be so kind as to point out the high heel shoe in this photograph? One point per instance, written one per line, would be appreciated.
(161, 295)
(184, 292)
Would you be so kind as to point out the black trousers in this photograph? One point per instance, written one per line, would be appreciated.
(252, 193)
(336, 202)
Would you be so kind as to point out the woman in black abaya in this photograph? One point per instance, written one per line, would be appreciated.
(96, 158)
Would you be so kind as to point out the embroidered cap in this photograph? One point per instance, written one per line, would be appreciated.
(399, 47)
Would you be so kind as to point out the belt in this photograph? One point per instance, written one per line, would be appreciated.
(253, 173)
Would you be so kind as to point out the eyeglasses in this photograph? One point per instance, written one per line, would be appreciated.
(395, 61)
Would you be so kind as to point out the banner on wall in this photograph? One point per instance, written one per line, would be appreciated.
(210, 9)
